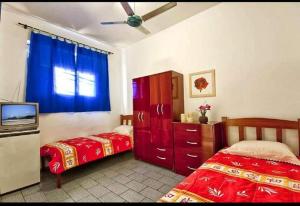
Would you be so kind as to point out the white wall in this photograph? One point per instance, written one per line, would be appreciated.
(254, 48)
(13, 71)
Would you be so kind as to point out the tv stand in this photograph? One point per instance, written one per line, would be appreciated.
(20, 159)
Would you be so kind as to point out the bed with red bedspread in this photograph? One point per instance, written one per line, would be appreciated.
(235, 178)
(69, 153)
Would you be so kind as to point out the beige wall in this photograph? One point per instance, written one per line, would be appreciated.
(13, 71)
(254, 48)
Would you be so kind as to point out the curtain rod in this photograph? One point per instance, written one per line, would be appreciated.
(25, 26)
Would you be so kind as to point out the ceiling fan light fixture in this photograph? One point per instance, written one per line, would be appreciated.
(134, 20)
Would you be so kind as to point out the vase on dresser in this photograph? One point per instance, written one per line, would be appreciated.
(203, 119)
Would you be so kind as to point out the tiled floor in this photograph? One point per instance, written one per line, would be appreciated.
(118, 178)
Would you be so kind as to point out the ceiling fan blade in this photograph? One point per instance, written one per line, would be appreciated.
(143, 29)
(127, 8)
(114, 22)
(158, 11)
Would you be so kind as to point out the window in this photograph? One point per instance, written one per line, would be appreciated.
(65, 83)
(64, 77)
(86, 84)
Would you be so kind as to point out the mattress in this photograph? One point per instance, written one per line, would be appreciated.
(69, 153)
(235, 178)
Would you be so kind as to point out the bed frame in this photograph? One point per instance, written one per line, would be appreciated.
(124, 119)
(127, 119)
(259, 123)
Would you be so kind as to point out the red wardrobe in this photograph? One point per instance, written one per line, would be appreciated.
(157, 102)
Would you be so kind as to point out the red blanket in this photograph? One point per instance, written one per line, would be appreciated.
(66, 154)
(234, 178)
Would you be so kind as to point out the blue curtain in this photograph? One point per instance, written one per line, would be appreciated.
(92, 68)
(45, 55)
(59, 84)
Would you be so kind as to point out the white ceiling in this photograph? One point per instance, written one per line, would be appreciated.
(85, 17)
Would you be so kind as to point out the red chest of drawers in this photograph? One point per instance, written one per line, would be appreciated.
(194, 143)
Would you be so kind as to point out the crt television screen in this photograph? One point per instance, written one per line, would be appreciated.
(18, 114)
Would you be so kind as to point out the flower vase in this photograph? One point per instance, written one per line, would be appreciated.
(203, 119)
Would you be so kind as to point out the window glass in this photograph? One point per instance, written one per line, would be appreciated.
(64, 81)
(86, 82)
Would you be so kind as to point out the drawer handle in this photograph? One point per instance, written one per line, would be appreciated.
(191, 168)
(162, 158)
(163, 150)
(194, 156)
(191, 142)
(191, 130)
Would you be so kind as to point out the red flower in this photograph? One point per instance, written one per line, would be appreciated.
(200, 83)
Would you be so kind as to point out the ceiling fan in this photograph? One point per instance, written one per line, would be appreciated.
(136, 20)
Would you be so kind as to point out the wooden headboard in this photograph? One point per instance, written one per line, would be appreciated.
(126, 119)
(259, 123)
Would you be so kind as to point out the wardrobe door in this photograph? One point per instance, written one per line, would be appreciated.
(155, 117)
(142, 149)
(141, 122)
(166, 109)
(162, 143)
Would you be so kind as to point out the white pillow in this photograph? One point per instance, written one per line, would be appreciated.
(124, 129)
(268, 150)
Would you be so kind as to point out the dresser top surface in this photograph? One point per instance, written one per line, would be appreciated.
(197, 123)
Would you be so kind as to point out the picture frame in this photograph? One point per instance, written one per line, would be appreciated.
(205, 85)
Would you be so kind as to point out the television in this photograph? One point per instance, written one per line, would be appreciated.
(15, 116)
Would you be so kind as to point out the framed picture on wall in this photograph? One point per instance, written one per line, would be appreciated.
(202, 84)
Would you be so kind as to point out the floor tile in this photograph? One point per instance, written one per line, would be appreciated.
(89, 198)
(68, 186)
(98, 190)
(110, 173)
(137, 177)
(78, 193)
(132, 196)
(96, 175)
(31, 190)
(88, 183)
(169, 181)
(13, 197)
(140, 170)
(57, 195)
(106, 181)
(122, 179)
(168, 173)
(36, 197)
(111, 197)
(152, 183)
(179, 177)
(165, 188)
(153, 175)
(117, 188)
(151, 193)
(126, 172)
(147, 200)
(136, 186)
(68, 200)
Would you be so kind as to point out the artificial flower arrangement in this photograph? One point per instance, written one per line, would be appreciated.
(203, 109)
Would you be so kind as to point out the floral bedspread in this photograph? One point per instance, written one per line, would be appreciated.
(234, 178)
(66, 154)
